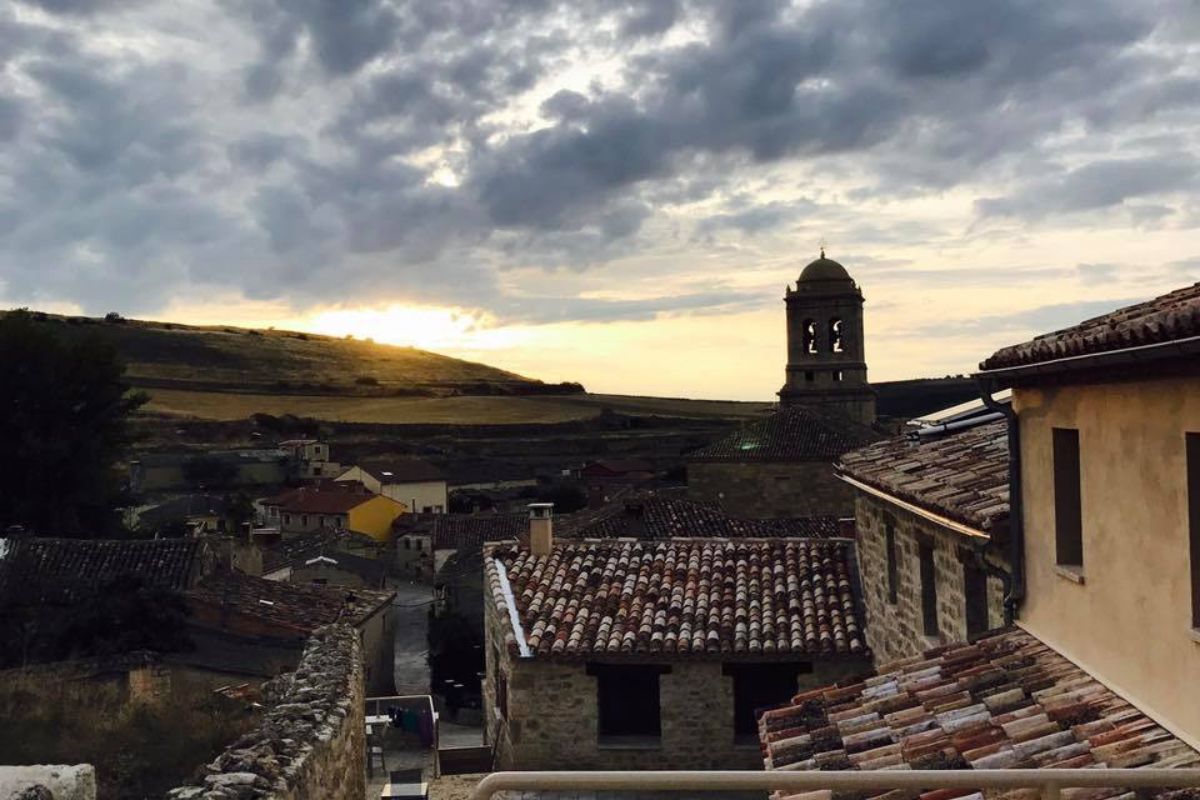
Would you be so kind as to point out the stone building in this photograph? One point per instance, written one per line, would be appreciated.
(419, 485)
(779, 466)
(618, 654)
(1108, 424)
(827, 366)
(932, 532)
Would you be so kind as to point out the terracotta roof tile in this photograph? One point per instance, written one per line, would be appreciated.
(1006, 701)
(1168, 318)
(323, 500)
(300, 609)
(402, 470)
(683, 598)
(468, 532)
(962, 475)
(651, 516)
(790, 434)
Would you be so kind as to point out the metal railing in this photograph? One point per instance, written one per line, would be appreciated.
(375, 706)
(1049, 782)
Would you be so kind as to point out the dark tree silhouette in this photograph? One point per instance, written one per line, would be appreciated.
(64, 411)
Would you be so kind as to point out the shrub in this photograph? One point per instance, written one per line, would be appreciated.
(113, 316)
(366, 380)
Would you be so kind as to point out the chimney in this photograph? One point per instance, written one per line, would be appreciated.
(541, 528)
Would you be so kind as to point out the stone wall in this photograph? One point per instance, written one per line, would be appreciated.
(48, 782)
(896, 630)
(311, 743)
(754, 489)
(551, 721)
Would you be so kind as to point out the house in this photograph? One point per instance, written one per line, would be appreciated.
(247, 626)
(603, 478)
(779, 466)
(333, 507)
(199, 513)
(309, 459)
(1107, 426)
(932, 531)
(1103, 547)
(184, 470)
(335, 558)
(419, 485)
(618, 654)
(425, 543)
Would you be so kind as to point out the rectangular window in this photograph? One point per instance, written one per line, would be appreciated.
(929, 611)
(1193, 494)
(1068, 504)
(628, 700)
(889, 534)
(304, 520)
(975, 592)
(758, 687)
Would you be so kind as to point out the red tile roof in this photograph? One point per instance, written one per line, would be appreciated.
(402, 470)
(1168, 318)
(647, 516)
(288, 607)
(682, 598)
(468, 532)
(962, 475)
(790, 434)
(1006, 701)
(323, 500)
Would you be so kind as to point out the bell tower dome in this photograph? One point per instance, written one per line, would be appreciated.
(826, 364)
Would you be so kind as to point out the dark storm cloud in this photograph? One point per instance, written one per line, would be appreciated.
(350, 149)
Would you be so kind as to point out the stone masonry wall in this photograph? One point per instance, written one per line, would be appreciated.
(311, 742)
(895, 630)
(771, 490)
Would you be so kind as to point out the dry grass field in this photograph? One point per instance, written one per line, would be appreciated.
(464, 410)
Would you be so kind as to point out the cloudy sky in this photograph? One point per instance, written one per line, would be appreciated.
(605, 191)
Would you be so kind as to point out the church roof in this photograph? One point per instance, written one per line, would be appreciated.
(824, 269)
(790, 435)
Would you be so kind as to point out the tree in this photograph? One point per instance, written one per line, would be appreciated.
(64, 422)
(127, 613)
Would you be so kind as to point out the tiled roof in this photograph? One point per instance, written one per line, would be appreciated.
(683, 598)
(289, 607)
(962, 475)
(323, 500)
(618, 465)
(352, 550)
(1006, 701)
(1167, 318)
(66, 570)
(198, 504)
(790, 434)
(469, 531)
(658, 517)
(402, 470)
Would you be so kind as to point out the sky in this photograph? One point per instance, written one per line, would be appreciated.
(610, 191)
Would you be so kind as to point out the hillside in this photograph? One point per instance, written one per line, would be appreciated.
(170, 356)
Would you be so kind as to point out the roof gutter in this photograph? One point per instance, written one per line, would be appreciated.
(1015, 582)
(946, 522)
(1126, 355)
(958, 425)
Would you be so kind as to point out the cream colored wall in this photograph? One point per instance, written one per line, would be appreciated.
(1129, 622)
(356, 475)
(417, 496)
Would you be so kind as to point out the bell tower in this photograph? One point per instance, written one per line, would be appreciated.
(826, 364)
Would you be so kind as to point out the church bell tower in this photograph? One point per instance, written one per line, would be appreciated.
(827, 365)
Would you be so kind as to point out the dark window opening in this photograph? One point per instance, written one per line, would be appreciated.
(929, 610)
(320, 581)
(810, 336)
(1193, 493)
(758, 687)
(407, 543)
(837, 375)
(1068, 500)
(628, 700)
(835, 336)
(808, 376)
(893, 578)
(975, 591)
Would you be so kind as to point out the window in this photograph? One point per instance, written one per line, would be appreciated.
(975, 593)
(835, 336)
(304, 520)
(420, 544)
(837, 376)
(889, 543)
(1068, 507)
(628, 701)
(407, 543)
(757, 687)
(810, 336)
(808, 376)
(287, 519)
(929, 610)
(1193, 494)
